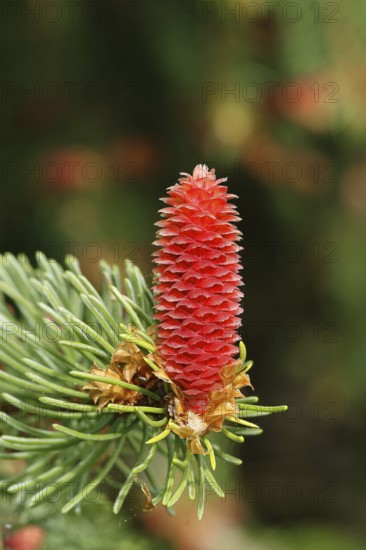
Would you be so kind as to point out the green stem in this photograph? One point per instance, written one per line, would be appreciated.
(201, 487)
(153, 423)
(55, 387)
(134, 408)
(86, 436)
(184, 480)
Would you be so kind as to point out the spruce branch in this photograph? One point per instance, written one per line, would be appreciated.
(92, 389)
(55, 325)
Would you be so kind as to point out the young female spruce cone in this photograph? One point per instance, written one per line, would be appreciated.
(197, 285)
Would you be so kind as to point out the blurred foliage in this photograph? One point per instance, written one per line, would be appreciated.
(308, 537)
(163, 72)
(85, 531)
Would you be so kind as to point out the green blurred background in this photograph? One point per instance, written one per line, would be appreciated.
(102, 105)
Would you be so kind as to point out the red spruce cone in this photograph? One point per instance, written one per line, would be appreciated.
(197, 294)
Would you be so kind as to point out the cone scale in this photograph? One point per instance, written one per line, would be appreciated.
(197, 289)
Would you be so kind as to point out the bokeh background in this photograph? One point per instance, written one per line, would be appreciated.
(102, 105)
